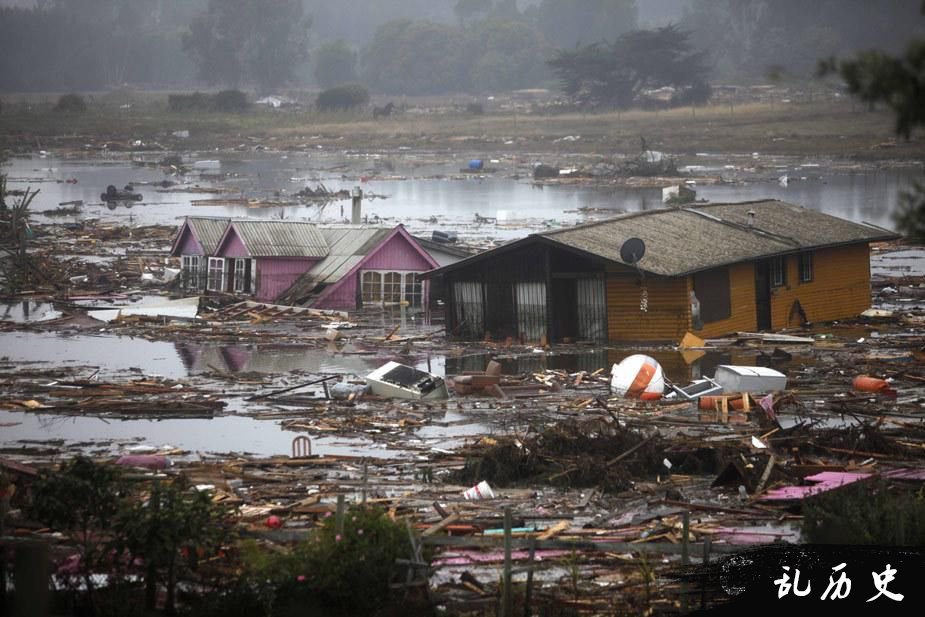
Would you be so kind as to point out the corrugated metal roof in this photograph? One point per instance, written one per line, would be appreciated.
(680, 241)
(281, 238)
(347, 246)
(208, 230)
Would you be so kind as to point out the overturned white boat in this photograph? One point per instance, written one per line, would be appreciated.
(396, 380)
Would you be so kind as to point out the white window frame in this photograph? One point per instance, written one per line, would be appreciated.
(190, 266)
(219, 277)
(405, 283)
(240, 275)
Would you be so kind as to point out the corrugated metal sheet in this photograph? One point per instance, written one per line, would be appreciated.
(208, 230)
(281, 238)
(346, 248)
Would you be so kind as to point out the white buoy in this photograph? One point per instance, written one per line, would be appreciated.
(638, 376)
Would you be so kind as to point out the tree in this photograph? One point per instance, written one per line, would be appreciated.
(173, 522)
(417, 57)
(258, 41)
(616, 74)
(82, 500)
(335, 63)
(505, 55)
(899, 82)
(567, 23)
(470, 9)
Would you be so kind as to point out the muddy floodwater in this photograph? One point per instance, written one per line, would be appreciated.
(422, 191)
(426, 192)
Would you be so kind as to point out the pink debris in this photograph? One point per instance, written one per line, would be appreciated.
(828, 480)
(148, 461)
(465, 558)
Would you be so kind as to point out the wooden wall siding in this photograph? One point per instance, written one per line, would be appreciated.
(667, 319)
(277, 274)
(742, 299)
(188, 244)
(396, 255)
(233, 247)
(840, 287)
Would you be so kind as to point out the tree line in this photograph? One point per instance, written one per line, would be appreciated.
(593, 49)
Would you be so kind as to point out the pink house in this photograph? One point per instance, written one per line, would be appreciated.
(264, 258)
(289, 262)
(365, 266)
(194, 243)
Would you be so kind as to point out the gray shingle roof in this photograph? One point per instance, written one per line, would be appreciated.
(681, 241)
(281, 238)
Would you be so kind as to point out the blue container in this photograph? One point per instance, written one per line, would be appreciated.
(475, 164)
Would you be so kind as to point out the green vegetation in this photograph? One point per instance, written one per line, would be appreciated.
(335, 63)
(618, 74)
(71, 103)
(112, 523)
(260, 42)
(866, 513)
(343, 97)
(898, 82)
(226, 101)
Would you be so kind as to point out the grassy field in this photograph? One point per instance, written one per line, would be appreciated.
(809, 129)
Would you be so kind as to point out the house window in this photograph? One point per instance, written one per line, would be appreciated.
(712, 291)
(414, 289)
(372, 288)
(240, 275)
(778, 272)
(191, 271)
(216, 274)
(391, 288)
(806, 267)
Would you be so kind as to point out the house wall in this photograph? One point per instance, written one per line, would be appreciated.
(668, 314)
(188, 244)
(742, 302)
(277, 274)
(840, 289)
(396, 254)
(233, 247)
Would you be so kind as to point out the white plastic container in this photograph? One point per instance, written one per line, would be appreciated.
(753, 379)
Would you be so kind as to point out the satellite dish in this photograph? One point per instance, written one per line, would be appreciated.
(632, 251)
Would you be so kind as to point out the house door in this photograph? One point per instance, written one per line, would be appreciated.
(763, 294)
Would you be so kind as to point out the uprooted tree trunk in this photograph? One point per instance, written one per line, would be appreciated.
(17, 268)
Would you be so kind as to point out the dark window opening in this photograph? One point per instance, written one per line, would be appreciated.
(778, 272)
(712, 289)
(806, 267)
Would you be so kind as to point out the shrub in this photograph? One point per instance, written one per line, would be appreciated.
(352, 569)
(869, 512)
(342, 97)
(475, 109)
(196, 101)
(230, 101)
(71, 103)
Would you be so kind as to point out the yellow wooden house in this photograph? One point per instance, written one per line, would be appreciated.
(710, 269)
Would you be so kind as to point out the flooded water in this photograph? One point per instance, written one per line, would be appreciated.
(422, 191)
(416, 188)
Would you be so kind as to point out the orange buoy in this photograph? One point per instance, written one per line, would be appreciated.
(863, 383)
(650, 396)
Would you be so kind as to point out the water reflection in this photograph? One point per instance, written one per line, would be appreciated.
(429, 188)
